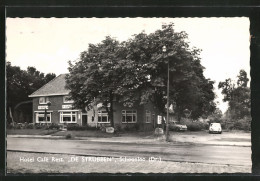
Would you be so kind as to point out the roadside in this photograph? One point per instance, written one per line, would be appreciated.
(116, 165)
(201, 137)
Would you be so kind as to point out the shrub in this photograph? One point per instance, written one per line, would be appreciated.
(194, 125)
(53, 126)
(29, 126)
(103, 128)
(118, 127)
(172, 127)
(68, 136)
(77, 127)
(40, 126)
(10, 126)
(18, 126)
(73, 126)
(130, 128)
(91, 128)
(242, 124)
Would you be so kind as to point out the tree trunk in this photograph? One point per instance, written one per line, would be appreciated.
(110, 111)
(111, 114)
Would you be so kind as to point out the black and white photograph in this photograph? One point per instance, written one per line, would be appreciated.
(128, 95)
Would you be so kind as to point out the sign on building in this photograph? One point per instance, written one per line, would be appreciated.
(159, 120)
(42, 107)
(99, 105)
(66, 106)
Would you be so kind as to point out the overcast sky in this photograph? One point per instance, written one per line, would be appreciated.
(48, 44)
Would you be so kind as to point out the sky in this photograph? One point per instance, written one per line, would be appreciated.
(49, 43)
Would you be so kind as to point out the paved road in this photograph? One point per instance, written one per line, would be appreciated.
(231, 155)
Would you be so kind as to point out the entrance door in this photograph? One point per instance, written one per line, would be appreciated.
(84, 119)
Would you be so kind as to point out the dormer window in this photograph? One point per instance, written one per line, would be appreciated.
(43, 100)
(66, 99)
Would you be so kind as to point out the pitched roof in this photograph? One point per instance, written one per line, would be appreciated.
(55, 87)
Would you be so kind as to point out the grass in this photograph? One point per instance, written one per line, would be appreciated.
(100, 134)
(73, 133)
(85, 133)
(30, 131)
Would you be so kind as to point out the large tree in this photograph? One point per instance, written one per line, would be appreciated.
(135, 72)
(94, 79)
(237, 95)
(21, 83)
(145, 73)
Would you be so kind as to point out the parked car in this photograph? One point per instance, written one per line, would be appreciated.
(215, 128)
(174, 126)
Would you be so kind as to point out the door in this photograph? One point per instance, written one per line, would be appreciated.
(84, 119)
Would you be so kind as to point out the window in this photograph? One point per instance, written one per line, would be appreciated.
(148, 116)
(102, 117)
(68, 117)
(40, 117)
(66, 99)
(43, 100)
(129, 116)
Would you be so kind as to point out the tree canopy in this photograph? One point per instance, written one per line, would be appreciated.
(21, 83)
(237, 95)
(135, 72)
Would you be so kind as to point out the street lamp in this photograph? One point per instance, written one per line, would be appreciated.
(168, 84)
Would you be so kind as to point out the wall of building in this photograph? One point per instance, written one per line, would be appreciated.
(55, 108)
(92, 115)
(118, 107)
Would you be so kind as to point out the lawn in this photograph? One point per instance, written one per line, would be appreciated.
(85, 133)
(100, 134)
(30, 131)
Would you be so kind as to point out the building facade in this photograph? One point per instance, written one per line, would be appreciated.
(51, 104)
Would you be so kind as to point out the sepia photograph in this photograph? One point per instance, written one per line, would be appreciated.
(128, 95)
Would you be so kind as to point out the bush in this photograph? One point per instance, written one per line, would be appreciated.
(118, 128)
(91, 128)
(77, 127)
(40, 126)
(194, 125)
(18, 126)
(242, 124)
(68, 136)
(131, 128)
(10, 126)
(29, 126)
(54, 126)
(103, 128)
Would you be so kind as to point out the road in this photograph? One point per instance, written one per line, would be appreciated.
(201, 153)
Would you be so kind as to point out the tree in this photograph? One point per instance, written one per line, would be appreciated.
(94, 79)
(21, 83)
(237, 95)
(135, 72)
(145, 73)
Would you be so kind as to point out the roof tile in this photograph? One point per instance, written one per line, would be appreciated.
(55, 87)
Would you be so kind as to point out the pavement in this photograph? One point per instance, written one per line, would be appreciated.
(225, 139)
